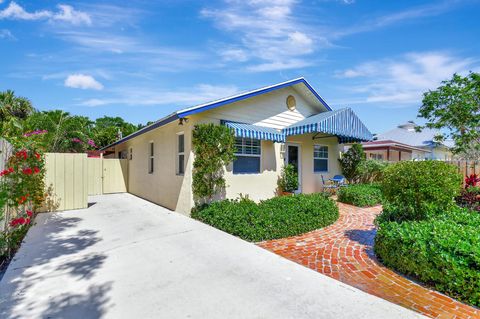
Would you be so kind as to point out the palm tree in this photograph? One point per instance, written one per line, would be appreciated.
(65, 132)
(13, 110)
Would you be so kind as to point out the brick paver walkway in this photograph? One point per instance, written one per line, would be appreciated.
(344, 251)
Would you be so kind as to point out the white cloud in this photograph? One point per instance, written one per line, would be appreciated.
(6, 34)
(154, 96)
(267, 30)
(65, 13)
(14, 11)
(69, 14)
(403, 80)
(82, 81)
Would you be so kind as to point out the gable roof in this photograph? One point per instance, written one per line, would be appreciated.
(299, 82)
(406, 134)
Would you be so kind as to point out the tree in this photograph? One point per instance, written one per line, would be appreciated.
(13, 110)
(61, 131)
(107, 129)
(455, 106)
(350, 162)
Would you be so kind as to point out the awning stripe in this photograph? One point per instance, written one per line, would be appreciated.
(343, 123)
(255, 131)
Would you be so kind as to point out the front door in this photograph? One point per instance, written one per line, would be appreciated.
(293, 157)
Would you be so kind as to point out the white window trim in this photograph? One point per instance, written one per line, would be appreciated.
(251, 155)
(151, 156)
(328, 159)
(177, 156)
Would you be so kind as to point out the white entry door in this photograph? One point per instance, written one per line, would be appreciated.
(293, 156)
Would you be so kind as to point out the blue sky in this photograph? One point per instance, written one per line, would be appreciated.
(144, 59)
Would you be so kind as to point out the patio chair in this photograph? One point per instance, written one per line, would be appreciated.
(339, 180)
(328, 187)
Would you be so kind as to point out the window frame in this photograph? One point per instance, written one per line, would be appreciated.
(237, 154)
(178, 154)
(321, 158)
(151, 157)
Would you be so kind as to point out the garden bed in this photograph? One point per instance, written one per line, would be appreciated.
(274, 218)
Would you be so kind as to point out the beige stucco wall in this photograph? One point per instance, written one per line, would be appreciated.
(163, 186)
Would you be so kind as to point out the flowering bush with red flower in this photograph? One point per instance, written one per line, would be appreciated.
(22, 191)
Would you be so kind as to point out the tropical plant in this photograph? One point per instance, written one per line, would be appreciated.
(214, 148)
(61, 131)
(455, 106)
(350, 161)
(288, 180)
(13, 110)
(470, 198)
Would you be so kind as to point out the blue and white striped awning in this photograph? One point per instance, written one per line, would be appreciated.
(255, 131)
(343, 123)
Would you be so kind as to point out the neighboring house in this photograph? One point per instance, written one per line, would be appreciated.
(286, 122)
(405, 143)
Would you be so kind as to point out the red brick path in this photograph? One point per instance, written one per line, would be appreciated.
(344, 251)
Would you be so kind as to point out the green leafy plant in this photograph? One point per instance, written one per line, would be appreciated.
(442, 252)
(288, 180)
(273, 218)
(350, 162)
(415, 190)
(214, 148)
(371, 171)
(361, 195)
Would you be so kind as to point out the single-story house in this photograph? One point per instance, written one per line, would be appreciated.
(284, 123)
(405, 143)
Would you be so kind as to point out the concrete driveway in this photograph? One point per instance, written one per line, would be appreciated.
(127, 258)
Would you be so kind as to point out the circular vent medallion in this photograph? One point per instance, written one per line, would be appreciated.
(291, 103)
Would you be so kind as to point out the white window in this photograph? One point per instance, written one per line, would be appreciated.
(320, 158)
(180, 154)
(378, 157)
(151, 158)
(248, 154)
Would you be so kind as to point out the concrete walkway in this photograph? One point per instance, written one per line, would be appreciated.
(127, 258)
(344, 251)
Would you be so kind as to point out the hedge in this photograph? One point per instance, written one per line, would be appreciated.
(420, 189)
(274, 218)
(443, 252)
(361, 195)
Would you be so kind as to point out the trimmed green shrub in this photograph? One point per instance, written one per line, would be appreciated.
(371, 171)
(443, 252)
(418, 189)
(288, 181)
(274, 218)
(361, 195)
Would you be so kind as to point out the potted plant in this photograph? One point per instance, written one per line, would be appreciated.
(288, 180)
